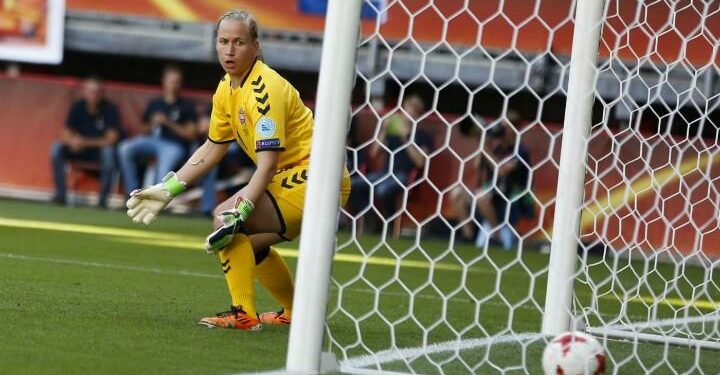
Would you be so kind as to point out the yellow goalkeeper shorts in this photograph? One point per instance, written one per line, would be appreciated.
(287, 191)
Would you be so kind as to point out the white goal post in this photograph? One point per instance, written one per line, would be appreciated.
(323, 189)
(617, 131)
(571, 175)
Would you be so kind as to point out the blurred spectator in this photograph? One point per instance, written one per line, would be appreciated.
(168, 131)
(503, 180)
(234, 158)
(355, 157)
(356, 162)
(403, 140)
(91, 130)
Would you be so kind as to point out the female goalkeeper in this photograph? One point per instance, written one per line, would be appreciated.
(257, 108)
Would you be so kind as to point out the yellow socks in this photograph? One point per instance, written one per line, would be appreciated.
(238, 263)
(274, 275)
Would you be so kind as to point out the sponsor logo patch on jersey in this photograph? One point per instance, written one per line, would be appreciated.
(267, 143)
(265, 127)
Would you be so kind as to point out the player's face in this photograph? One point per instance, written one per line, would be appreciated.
(235, 47)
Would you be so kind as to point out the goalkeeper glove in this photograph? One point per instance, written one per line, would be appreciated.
(232, 222)
(145, 205)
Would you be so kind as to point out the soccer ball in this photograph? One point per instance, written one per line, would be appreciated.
(574, 353)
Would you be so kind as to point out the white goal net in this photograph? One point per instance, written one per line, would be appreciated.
(443, 252)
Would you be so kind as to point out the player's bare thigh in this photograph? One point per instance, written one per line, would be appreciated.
(263, 220)
(262, 240)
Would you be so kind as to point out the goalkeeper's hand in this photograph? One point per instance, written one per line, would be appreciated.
(232, 222)
(145, 205)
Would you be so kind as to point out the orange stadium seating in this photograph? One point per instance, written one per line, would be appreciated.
(488, 23)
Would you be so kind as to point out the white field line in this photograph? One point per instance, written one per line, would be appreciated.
(108, 265)
(393, 355)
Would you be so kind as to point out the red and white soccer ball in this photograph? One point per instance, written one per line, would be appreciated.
(574, 353)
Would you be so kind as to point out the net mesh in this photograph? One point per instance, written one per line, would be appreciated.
(441, 264)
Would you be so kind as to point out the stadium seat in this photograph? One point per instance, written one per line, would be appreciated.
(81, 177)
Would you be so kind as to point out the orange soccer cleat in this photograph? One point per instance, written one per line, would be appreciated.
(234, 318)
(275, 317)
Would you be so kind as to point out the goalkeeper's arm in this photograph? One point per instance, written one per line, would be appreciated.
(202, 161)
(266, 166)
(145, 205)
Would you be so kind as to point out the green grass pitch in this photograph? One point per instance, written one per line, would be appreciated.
(87, 291)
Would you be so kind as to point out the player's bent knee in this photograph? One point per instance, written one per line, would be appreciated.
(217, 214)
(261, 254)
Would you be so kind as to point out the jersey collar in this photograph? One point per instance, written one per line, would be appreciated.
(250, 72)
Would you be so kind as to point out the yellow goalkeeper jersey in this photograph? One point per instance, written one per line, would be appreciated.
(263, 113)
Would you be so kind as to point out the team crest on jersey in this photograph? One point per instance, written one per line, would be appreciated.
(241, 116)
(265, 127)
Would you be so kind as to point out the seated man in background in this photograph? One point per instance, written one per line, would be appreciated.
(503, 184)
(168, 131)
(395, 135)
(91, 130)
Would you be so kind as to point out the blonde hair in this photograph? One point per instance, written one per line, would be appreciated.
(242, 16)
